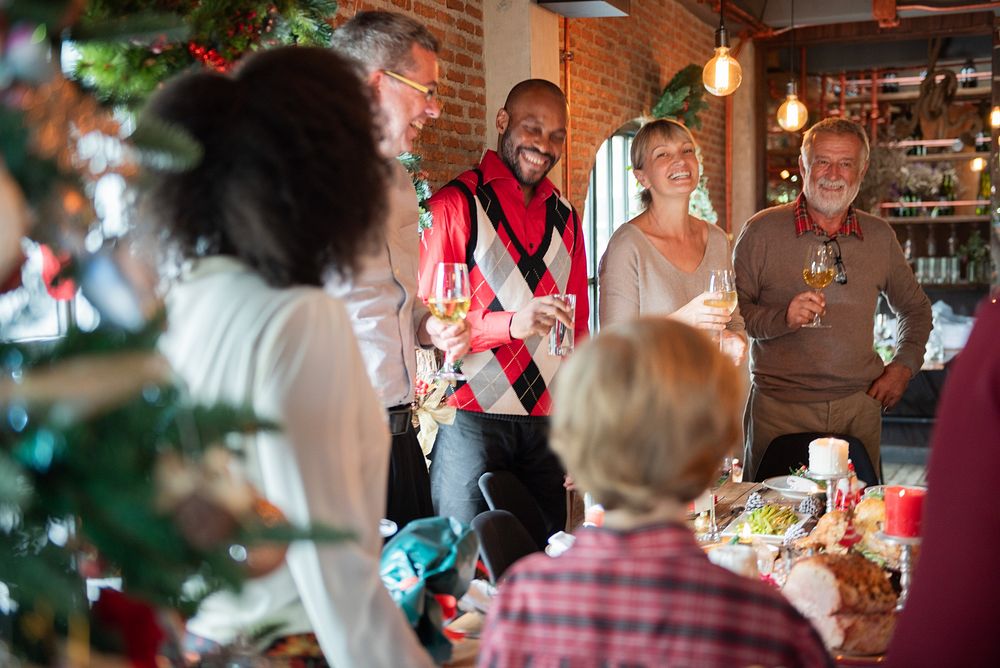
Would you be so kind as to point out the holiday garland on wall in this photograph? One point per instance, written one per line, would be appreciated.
(681, 100)
(214, 34)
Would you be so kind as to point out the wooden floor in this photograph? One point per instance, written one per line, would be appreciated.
(904, 474)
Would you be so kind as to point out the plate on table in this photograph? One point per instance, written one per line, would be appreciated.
(792, 486)
(734, 528)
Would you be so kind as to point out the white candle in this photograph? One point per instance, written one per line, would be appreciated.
(828, 456)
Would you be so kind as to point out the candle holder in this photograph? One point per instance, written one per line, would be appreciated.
(831, 484)
(906, 545)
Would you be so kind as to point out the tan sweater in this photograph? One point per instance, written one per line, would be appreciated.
(824, 364)
(635, 279)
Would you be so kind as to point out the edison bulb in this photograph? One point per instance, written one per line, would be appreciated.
(722, 74)
(792, 114)
(977, 165)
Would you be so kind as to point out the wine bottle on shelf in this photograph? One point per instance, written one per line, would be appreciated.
(931, 241)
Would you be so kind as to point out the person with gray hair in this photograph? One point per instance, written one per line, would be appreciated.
(808, 379)
(398, 61)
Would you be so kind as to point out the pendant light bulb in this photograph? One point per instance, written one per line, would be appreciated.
(792, 114)
(995, 117)
(722, 74)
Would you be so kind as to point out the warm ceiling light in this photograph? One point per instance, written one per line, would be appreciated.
(995, 117)
(722, 74)
(977, 165)
(792, 114)
(785, 174)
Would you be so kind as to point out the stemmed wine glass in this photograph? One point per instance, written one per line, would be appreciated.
(721, 282)
(818, 272)
(450, 302)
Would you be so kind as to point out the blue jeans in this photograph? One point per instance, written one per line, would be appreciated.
(479, 442)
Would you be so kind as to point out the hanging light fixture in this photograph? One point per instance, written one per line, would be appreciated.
(792, 114)
(722, 74)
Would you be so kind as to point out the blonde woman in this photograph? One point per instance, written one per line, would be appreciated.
(659, 262)
(642, 415)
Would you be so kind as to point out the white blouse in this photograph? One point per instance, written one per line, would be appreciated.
(291, 356)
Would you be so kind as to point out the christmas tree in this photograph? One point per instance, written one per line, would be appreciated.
(106, 468)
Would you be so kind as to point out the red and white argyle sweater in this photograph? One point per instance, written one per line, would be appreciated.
(510, 262)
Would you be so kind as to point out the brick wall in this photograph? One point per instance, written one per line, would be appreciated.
(618, 70)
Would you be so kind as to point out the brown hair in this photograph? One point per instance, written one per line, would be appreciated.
(645, 411)
(661, 128)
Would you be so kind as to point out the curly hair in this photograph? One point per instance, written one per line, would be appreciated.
(290, 180)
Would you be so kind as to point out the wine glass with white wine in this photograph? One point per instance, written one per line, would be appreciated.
(723, 286)
(450, 303)
(818, 272)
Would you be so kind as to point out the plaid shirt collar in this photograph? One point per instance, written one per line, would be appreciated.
(804, 223)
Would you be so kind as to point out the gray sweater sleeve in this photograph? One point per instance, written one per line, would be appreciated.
(910, 303)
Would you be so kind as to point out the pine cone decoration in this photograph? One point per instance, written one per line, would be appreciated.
(754, 501)
(811, 506)
(793, 533)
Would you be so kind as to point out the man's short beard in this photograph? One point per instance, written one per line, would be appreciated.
(821, 205)
(508, 154)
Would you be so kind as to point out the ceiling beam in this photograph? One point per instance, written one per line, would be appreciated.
(947, 25)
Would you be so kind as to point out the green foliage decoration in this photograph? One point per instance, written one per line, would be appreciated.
(215, 34)
(411, 161)
(681, 99)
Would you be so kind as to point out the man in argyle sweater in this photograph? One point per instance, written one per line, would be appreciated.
(523, 243)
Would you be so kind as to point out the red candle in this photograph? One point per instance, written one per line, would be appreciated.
(904, 510)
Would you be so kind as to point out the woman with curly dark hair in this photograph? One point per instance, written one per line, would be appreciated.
(289, 187)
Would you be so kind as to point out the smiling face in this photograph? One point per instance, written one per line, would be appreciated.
(404, 108)
(669, 164)
(532, 135)
(834, 172)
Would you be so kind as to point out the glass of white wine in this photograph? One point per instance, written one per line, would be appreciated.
(450, 302)
(722, 284)
(818, 272)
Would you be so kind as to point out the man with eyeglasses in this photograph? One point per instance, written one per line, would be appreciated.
(398, 57)
(825, 379)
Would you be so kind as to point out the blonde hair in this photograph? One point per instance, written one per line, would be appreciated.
(661, 128)
(644, 412)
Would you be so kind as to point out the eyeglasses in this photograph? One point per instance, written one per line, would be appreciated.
(428, 93)
(838, 261)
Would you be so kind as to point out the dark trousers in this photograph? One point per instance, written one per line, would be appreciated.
(477, 443)
(409, 491)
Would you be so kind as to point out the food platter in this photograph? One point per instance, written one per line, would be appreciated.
(734, 528)
(792, 486)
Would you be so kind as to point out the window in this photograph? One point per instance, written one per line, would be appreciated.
(612, 200)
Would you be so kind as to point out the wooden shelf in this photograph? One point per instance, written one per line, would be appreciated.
(926, 220)
(951, 156)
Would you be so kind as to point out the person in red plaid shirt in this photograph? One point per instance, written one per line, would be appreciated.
(642, 417)
(523, 243)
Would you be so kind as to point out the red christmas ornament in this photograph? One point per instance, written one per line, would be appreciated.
(54, 268)
(135, 622)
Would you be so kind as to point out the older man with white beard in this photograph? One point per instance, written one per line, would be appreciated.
(825, 379)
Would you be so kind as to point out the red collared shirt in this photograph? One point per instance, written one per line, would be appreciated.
(646, 597)
(805, 223)
(449, 234)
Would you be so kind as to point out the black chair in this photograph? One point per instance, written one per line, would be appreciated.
(503, 491)
(502, 541)
(790, 451)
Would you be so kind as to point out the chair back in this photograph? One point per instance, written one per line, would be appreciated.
(503, 491)
(790, 451)
(502, 541)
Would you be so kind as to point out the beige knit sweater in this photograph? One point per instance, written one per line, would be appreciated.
(824, 364)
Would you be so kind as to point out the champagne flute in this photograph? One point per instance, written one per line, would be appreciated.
(818, 272)
(450, 302)
(722, 283)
